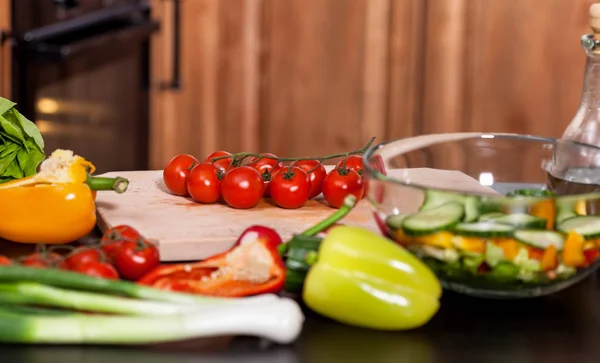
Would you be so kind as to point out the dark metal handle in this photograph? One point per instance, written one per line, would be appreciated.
(175, 82)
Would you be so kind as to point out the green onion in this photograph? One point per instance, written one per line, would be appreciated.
(24, 293)
(77, 281)
(280, 321)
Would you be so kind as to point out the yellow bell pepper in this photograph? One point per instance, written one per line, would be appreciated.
(56, 205)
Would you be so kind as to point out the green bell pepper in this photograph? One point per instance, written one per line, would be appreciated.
(358, 277)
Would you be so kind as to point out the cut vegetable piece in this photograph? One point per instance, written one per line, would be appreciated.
(565, 209)
(521, 220)
(434, 220)
(587, 226)
(540, 239)
(436, 198)
(492, 215)
(484, 229)
(471, 208)
(394, 222)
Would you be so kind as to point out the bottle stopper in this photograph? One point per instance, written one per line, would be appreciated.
(595, 19)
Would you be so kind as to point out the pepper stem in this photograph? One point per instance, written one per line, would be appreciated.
(349, 203)
(118, 184)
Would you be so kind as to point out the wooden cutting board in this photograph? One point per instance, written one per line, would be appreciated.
(185, 230)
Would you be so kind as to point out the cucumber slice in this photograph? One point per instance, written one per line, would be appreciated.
(471, 208)
(433, 220)
(540, 239)
(492, 215)
(436, 198)
(588, 226)
(484, 229)
(565, 209)
(521, 220)
(394, 222)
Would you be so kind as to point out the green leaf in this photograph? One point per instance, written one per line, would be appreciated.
(35, 158)
(21, 144)
(30, 129)
(6, 162)
(13, 171)
(5, 105)
(11, 127)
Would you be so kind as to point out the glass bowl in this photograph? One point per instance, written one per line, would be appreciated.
(493, 215)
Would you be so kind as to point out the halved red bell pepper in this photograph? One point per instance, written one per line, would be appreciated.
(252, 266)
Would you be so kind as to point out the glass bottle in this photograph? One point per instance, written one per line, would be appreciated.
(575, 169)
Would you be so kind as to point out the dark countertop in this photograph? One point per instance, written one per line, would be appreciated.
(557, 328)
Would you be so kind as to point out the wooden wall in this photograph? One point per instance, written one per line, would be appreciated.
(298, 77)
(5, 61)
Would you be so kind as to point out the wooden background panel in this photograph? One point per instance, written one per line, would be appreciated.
(524, 71)
(525, 64)
(314, 69)
(5, 80)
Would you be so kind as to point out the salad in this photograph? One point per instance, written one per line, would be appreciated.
(528, 237)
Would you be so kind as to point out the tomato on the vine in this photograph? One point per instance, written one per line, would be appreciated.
(5, 261)
(113, 238)
(42, 260)
(242, 187)
(97, 269)
(82, 256)
(134, 259)
(268, 168)
(290, 188)
(339, 183)
(176, 172)
(268, 162)
(268, 177)
(222, 164)
(354, 162)
(316, 176)
(203, 183)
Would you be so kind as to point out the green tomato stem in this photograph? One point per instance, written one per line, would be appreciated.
(258, 157)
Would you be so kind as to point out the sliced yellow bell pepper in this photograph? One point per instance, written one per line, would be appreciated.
(572, 254)
(545, 209)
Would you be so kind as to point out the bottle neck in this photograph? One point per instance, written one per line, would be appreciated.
(590, 96)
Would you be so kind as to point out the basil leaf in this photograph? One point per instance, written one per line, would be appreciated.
(21, 144)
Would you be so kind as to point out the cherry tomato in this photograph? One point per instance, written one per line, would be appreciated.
(97, 269)
(5, 261)
(135, 259)
(290, 188)
(265, 163)
(222, 164)
(242, 187)
(176, 172)
(267, 169)
(316, 176)
(203, 183)
(354, 162)
(267, 177)
(82, 256)
(338, 184)
(42, 260)
(113, 238)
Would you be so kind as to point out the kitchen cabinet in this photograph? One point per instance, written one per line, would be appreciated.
(311, 77)
(5, 63)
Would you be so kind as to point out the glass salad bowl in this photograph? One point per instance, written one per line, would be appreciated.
(493, 215)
